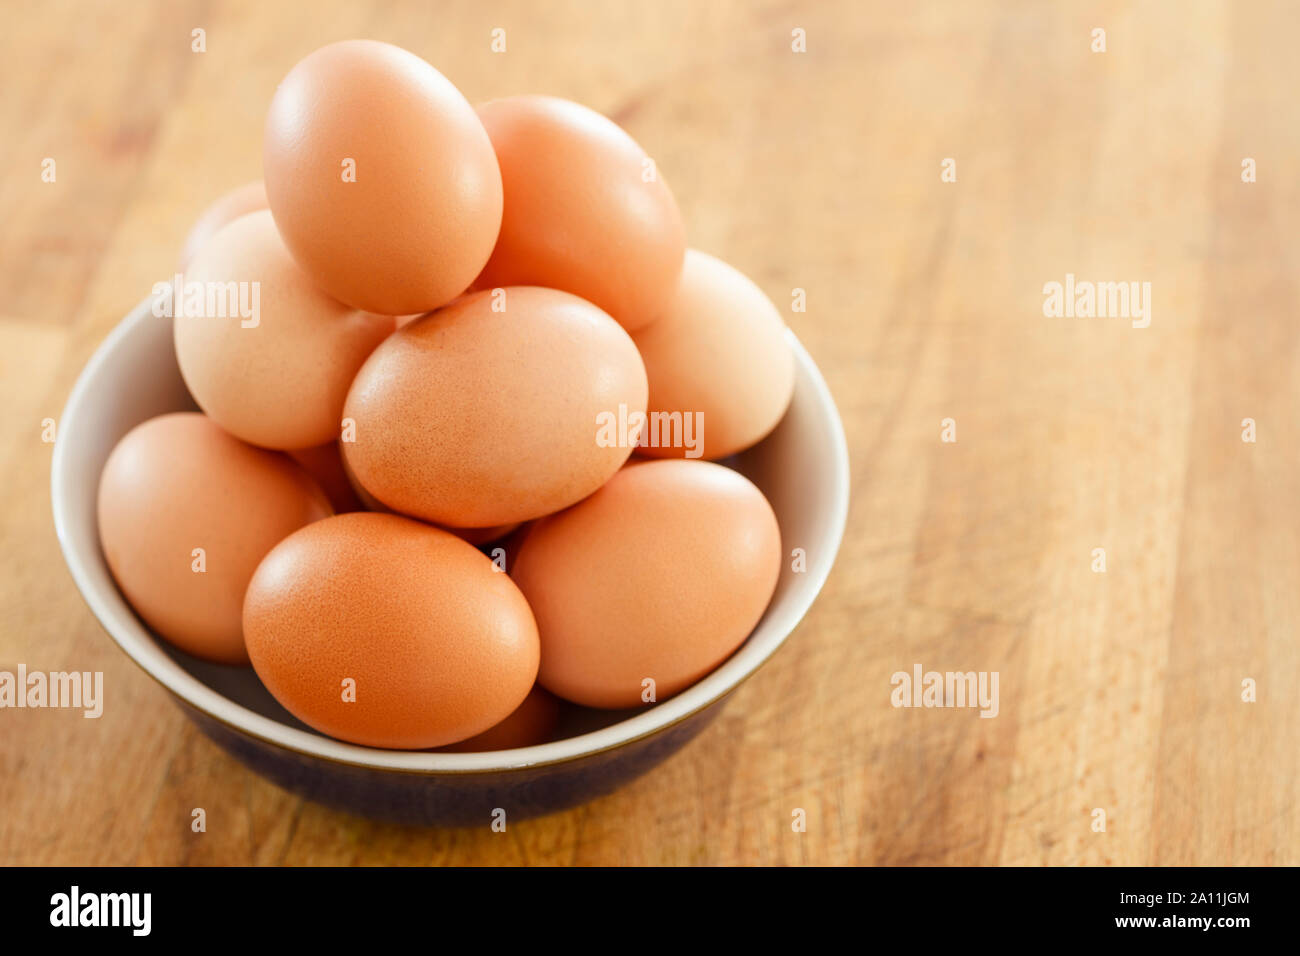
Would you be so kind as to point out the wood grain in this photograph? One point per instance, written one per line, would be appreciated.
(819, 170)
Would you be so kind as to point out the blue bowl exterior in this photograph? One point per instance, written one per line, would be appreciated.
(454, 799)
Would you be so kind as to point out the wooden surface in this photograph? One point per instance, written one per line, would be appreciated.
(820, 170)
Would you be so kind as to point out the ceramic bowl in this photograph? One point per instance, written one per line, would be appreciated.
(802, 467)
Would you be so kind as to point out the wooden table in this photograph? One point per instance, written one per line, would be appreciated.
(822, 170)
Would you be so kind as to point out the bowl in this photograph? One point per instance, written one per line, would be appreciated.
(802, 467)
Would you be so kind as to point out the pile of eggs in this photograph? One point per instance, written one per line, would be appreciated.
(423, 498)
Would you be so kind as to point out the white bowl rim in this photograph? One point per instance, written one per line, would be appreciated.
(142, 648)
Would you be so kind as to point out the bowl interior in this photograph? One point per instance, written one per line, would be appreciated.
(802, 467)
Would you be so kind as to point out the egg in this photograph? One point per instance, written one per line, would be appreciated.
(501, 407)
(325, 464)
(383, 631)
(586, 210)
(381, 178)
(532, 722)
(271, 358)
(247, 198)
(649, 584)
(718, 353)
(185, 514)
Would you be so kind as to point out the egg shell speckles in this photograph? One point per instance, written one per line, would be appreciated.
(660, 575)
(471, 417)
(177, 483)
(437, 644)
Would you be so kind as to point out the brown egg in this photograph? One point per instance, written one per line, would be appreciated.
(658, 576)
(382, 631)
(532, 722)
(186, 512)
(325, 464)
(718, 361)
(270, 362)
(472, 417)
(381, 178)
(586, 210)
(247, 198)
